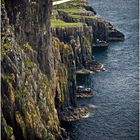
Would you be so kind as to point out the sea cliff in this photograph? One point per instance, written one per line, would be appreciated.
(42, 48)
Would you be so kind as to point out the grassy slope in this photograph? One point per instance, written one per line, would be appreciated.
(60, 23)
(73, 11)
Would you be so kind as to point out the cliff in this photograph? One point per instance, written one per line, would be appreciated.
(38, 73)
(81, 12)
(77, 24)
(40, 55)
(28, 74)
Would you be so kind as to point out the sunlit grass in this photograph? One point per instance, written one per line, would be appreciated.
(74, 10)
(60, 23)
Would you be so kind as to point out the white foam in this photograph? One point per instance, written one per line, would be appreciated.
(92, 106)
(102, 66)
(98, 70)
(91, 72)
(86, 116)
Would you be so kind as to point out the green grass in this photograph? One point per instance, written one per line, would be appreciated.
(76, 16)
(7, 76)
(28, 63)
(80, 17)
(60, 23)
(73, 10)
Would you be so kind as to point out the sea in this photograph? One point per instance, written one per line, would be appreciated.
(115, 115)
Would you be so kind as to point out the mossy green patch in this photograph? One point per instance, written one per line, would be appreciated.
(87, 41)
(60, 23)
(5, 48)
(8, 77)
(74, 10)
(9, 129)
(20, 94)
(29, 64)
(82, 17)
(76, 16)
(27, 46)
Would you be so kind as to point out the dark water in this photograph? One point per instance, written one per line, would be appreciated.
(117, 95)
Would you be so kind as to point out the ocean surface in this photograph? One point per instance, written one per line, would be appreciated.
(117, 93)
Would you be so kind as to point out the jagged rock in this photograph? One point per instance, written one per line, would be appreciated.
(85, 95)
(102, 29)
(73, 114)
(116, 35)
(89, 8)
(80, 40)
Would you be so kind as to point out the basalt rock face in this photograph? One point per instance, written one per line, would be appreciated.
(35, 77)
(101, 29)
(94, 31)
(115, 35)
(65, 76)
(79, 39)
(31, 21)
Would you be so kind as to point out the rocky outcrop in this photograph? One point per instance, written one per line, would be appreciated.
(65, 75)
(93, 31)
(101, 29)
(73, 114)
(79, 41)
(115, 35)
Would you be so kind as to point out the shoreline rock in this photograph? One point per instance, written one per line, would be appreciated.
(91, 69)
(85, 95)
(115, 35)
(73, 114)
(102, 44)
(97, 68)
(84, 71)
(83, 92)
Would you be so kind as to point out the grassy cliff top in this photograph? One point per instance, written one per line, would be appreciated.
(60, 23)
(72, 12)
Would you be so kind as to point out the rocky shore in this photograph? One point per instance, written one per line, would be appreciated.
(85, 95)
(76, 113)
(84, 92)
(73, 114)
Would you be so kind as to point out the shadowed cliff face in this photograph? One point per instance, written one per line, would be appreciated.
(38, 79)
(79, 39)
(65, 75)
(28, 106)
(32, 24)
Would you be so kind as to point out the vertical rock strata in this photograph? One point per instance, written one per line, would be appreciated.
(39, 64)
(80, 40)
(28, 74)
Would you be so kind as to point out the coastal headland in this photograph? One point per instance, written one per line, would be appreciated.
(43, 48)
